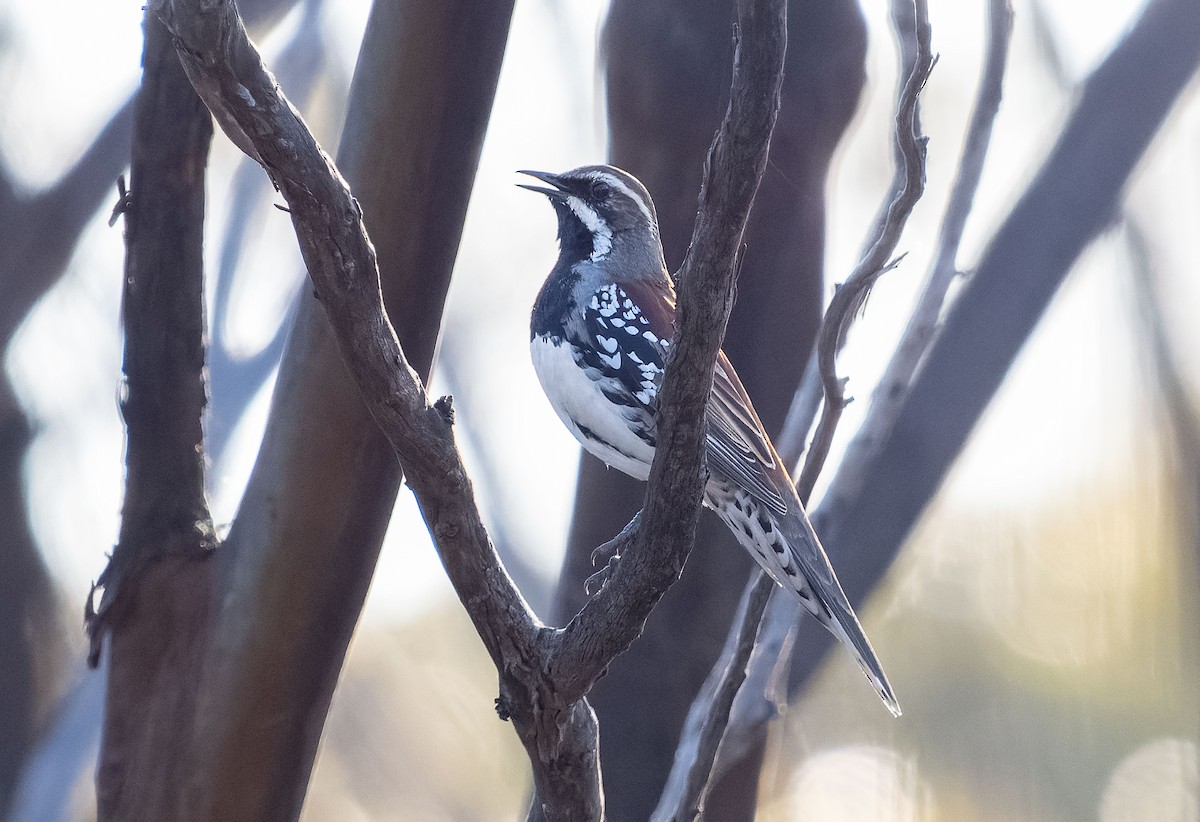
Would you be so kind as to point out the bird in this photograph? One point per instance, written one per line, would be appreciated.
(601, 332)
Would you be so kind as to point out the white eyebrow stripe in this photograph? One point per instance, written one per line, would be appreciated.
(601, 233)
(619, 184)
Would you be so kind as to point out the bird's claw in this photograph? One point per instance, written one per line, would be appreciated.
(598, 580)
(605, 551)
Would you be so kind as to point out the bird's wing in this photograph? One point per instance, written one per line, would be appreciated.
(738, 447)
(627, 331)
(632, 325)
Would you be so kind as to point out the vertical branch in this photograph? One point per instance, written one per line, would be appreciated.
(29, 643)
(154, 591)
(662, 540)
(710, 713)
(692, 776)
(667, 68)
(908, 184)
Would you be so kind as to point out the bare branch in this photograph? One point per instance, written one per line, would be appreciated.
(39, 232)
(894, 385)
(543, 675)
(781, 620)
(30, 638)
(735, 164)
(906, 189)
(155, 573)
(163, 395)
(907, 186)
(685, 791)
(301, 552)
(662, 540)
(667, 66)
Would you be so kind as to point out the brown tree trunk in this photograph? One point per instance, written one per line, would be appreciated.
(156, 585)
(667, 68)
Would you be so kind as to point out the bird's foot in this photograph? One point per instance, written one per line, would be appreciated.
(610, 553)
(593, 584)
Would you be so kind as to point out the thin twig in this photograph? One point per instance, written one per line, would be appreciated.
(907, 186)
(1069, 202)
(922, 324)
(689, 782)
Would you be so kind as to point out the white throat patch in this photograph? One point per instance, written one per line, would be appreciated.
(601, 233)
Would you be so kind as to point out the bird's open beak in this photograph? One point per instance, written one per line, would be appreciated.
(556, 193)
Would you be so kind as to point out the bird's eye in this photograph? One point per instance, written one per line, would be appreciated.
(601, 190)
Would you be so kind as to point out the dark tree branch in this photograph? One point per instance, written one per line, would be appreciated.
(667, 68)
(1178, 411)
(732, 171)
(30, 643)
(164, 393)
(38, 236)
(543, 674)
(155, 577)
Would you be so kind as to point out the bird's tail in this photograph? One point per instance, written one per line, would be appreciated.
(822, 596)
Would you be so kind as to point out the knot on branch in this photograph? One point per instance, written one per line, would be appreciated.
(445, 408)
(124, 202)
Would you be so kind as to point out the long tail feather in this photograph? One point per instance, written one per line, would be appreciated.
(787, 547)
(832, 609)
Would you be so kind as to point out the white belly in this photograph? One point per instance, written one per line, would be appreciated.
(579, 403)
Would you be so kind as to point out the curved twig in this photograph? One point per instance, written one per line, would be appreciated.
(908, 185)
(897, 377)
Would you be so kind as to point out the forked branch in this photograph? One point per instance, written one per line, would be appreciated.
(544, 674)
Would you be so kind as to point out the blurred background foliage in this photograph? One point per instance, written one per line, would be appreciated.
(1043, 622)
